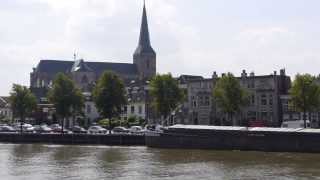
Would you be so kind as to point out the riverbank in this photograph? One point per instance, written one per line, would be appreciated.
(64, 139)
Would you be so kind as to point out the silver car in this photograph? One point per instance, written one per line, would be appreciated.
(97, 130)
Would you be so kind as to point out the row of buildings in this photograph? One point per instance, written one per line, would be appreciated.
(268, 93)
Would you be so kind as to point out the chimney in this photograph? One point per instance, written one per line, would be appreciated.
(282, 72)
(214, 75)
(243, 74)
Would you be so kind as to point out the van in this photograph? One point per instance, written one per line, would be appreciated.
(295, 124)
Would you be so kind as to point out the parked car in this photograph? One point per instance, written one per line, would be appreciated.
(25, 127)
(6, 128)
(58, 129)
(295, 124)
(97, 130)
(42, 129)
(120, 129)
(150, 127)
(78, 130)
(136, 130)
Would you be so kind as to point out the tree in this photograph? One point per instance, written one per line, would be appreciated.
(230, 96)
(305, 94)
(109, 95)
(166, 94)
(65, 96)
(22, 101)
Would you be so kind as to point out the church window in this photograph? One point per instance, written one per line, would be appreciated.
(148, 64)
(84, 79)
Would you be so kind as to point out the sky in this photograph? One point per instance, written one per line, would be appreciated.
(190, 36)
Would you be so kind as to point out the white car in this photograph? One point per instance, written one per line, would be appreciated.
(136, 130)
(97, 130)
(295, 124)
(25, 127)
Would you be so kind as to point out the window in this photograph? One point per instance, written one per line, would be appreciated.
(84, 79)
(263, 99)
(193, 102)
(285, 105)
(148, 64)
(88, 109)
(252, 99)
(201, 101)
(125, 109)
(140, 109)
(207, 101)
(270, 99)
(132, 109)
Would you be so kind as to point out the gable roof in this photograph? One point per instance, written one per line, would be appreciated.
(56, 66)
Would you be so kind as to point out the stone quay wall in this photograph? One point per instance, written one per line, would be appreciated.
(79, 139)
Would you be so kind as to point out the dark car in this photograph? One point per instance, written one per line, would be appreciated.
(79, 130)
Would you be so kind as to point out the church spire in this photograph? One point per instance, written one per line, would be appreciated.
(144, 45)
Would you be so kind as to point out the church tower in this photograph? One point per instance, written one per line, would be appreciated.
(144, 56)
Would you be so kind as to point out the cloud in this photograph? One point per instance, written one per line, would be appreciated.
(189, 37)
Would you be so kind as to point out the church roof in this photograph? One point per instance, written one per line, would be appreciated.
(56, 66)
(80, 66)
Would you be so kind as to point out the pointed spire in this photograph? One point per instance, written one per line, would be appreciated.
(144, 45)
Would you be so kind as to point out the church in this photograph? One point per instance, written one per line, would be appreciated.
(86, 73)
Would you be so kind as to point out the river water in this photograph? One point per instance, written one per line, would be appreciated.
(55, 162)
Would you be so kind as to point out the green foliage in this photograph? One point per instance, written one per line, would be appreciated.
(113, 123)
(65, 96)
(166, 94)
(135, 121)
(305, 94)
(109, 95)
(132, 120)
(103, 122)
(4, 119)
(229, 95)
(22, 101)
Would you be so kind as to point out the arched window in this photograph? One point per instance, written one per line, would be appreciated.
(148, 64)
(84, 79)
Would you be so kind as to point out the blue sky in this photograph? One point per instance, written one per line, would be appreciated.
(190, 36)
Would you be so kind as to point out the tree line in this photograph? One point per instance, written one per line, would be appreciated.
(109, 96)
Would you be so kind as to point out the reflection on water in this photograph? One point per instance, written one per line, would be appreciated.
(25, 161)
